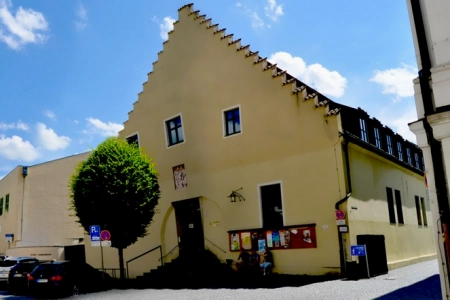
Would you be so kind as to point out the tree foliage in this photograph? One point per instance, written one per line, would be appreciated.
(116, 188)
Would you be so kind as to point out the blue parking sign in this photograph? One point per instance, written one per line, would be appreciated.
(358, 250)
(94, 232)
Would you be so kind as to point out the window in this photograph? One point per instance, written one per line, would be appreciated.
(424, 212)
(232, 120)
(271, 204)
(133, 139)
(408, 155)
(398, 203)
(390, 201)
(7, 202)
(174, 130)
(400, 151)
(418, 210)
(389, 145)
(416, 158)
(362, 124)
(377, 138)
(1, 206)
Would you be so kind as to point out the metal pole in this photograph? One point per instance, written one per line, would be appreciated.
(367, 261)
(103, 267)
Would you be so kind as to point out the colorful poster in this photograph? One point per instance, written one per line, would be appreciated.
(282, 240)
(269, 238)
(287, 238)
(276, 238)
(261, 245)
(235, 242)
(246, 240)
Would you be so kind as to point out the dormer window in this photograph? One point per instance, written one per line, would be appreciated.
(400, 150)
(363, 126)
(389, 145)
(377, 138)
(416, 158)
(408, 155)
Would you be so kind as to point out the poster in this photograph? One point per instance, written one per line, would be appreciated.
(235, 242)
(246, 240)
(269, 238)
(179, 177)
(261, 245)
(276, 239)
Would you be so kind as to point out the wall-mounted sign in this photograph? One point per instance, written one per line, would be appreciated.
(179, 177)
(9, 237)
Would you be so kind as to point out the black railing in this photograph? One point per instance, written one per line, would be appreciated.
(145, 253)
(162, 257)
(111, 271)
(216, 246)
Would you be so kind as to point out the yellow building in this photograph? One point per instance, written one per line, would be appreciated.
(34, 211)
(249, 156)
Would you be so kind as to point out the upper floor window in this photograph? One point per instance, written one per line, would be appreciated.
(174, 131)
(1, 206)
(408, 155)
(377, 138)
(400, 150)
(133, 139)
(416, 158)
(232, 119)
(7, 202)
(389, 144)
(362, 124)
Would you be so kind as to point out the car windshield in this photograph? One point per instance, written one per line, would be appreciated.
(25, 266)
(45, 269)
(8, 263)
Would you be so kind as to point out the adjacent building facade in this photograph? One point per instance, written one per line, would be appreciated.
(249, 156)
(35, 218)
(430, 26)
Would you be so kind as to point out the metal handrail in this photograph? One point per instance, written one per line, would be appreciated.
(216, 246)
(162, 257)
(147, 252)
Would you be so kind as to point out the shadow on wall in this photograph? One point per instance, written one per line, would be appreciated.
(429, 288)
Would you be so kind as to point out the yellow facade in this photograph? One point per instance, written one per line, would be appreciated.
(287, 136)
(38, 214)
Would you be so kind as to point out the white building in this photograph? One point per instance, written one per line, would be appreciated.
(430, 24)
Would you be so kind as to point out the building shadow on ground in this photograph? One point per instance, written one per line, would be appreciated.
(427, 289)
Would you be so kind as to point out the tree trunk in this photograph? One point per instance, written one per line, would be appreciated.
(121, 265)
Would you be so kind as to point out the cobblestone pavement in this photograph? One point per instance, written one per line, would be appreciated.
(419, 281)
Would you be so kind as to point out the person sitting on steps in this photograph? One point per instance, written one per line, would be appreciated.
(267, 264)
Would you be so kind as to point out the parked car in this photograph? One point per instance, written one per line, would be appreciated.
(9, 262)
(66, 278)
(18, 276)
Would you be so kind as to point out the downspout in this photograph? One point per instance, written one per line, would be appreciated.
(24, 175)
(337, 204)
(435, 145)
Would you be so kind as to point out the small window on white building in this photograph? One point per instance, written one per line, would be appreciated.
(174, 131)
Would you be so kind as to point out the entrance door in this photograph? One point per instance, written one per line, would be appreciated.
(189, 227)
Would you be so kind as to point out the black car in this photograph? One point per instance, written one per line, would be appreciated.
(18, 276)
(66, 278)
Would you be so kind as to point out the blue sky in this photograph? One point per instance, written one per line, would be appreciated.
(69, 72)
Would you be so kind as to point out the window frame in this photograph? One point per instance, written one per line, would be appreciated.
(389, 145)
(131, 135)
(376, 133)
(408, 156)
(399, 207)
(400, 151)
(166, 130)
(7, 202)
(418, 211)
(363, 128)
(225, 121)
(391, 205)
(261, 217)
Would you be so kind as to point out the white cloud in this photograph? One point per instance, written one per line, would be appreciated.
(165, 27)
(398, 119)
(397, 82)
(273, 10)
(49, 140)
(15, 148)
(49, 114)
(81, 21)
(104, 129)
(325, 81)
(19, 125)
(22, 28)
(238, 4)
(257, 22)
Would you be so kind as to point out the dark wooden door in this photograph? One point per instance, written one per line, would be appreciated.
(189, 227)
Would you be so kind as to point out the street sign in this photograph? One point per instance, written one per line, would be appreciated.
(340, 215)
(95, 244)
(94, 232)
(106, 243)
(9, 237)
(105, 235)
(358, 250)
(340, 222)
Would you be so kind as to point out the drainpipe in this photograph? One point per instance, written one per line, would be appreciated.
(24, 174)
(337, 204)
(435, 145)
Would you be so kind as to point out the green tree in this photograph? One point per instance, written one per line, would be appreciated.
(116, 188)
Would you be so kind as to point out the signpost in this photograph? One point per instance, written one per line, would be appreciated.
(340, 214)
(360, 250)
